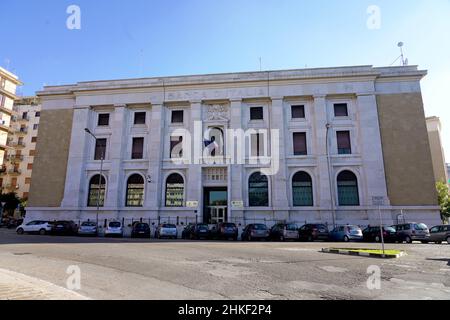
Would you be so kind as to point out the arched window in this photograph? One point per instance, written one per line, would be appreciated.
(258, 190)
(347, 185)
(302, 191)
(97, 189)
(135, 191)
(174, 190)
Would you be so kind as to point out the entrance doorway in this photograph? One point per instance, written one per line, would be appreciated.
(215, 206)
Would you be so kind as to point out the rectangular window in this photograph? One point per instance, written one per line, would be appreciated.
(25, 115)
(35, 126)
(2, 100)
(340, 110)
(32, 153)
(137, 151)
(298, 112)
(177, 116)
(27, 180)
(176, 147)
(103, 120)
(34, 139)
(37, 114)
(29, 167)
(300, 148)
(343, 142)
(257, 113)
(257, 145)
(139, 117)
(100, 149)
(2, 83)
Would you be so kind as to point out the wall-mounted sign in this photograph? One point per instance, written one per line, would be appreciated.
(237, 204)
(192, 204)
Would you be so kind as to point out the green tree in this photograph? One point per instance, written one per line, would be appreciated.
(444, 200)
(11, 202)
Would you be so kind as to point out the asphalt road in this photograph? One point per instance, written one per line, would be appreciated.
(150, 269)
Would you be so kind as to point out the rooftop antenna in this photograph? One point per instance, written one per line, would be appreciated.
(404, 62)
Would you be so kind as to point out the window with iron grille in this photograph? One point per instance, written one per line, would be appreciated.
(344, 142)
(177, 116)
(103, 120)
(256, 113)
(300, 148)
(137, 151)
(298, 112)
(340, 110)
(100, 149)
(139, 117)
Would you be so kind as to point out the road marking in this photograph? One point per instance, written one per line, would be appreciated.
(332, 269)
(17, 286)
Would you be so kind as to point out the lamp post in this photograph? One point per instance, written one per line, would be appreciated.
(102, 156)
(333, 213)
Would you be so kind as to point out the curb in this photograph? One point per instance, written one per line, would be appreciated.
(352, 252)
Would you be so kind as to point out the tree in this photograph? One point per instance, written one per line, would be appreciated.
(444, 200)
(11, 202)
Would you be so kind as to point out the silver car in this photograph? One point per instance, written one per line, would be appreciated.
(168, 231)
(439, 234)
(114, 229)
(88, 228)
(413, 231)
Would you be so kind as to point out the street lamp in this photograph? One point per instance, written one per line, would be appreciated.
(102, 156)
(333, 213)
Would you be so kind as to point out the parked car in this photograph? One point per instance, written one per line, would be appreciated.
(166, 231)
(312, 232)
(66, 228)
(114, 229)
(196, 231)
(373, 234)
(438, 234)
(41, 227)
(88, 228)
(225, 231)
(140, 230)
(284, 231)
(255, 232)
(413, 231)
(346, 233)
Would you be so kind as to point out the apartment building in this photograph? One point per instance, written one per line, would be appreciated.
(22, 140)
(8, 86)
(326, 145)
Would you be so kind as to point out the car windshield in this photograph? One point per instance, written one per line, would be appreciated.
(390, 229)
(88, 224)
(114, 224)
(292, 227)
(260, 227)
(353, 228)
(421, 226)
(228, 225)
(169, 226)
(142, 225)
(202, 226)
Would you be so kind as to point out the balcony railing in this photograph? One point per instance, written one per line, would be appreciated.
(15, 171)
(15, 157)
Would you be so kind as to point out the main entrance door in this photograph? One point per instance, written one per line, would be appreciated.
(215, 205)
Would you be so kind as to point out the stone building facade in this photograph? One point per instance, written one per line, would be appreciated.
(318, 145)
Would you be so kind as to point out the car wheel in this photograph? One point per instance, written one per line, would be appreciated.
(310, 239)
(20, 231)
(408, 239)
(377, 239)
(42, 232)
(346, 239)
(448, 240)
(282, 239)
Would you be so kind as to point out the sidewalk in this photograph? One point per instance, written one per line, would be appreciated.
(16, 286)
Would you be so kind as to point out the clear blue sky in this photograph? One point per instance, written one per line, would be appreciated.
(141, 38)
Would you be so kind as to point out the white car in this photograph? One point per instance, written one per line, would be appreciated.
(41, 227)
(114, 229)
(166, 231)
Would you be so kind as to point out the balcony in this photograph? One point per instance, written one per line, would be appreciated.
(23, 130)
(22, 118)
(15, 157)
(15, 171)
(16, 144)
(10, 186)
